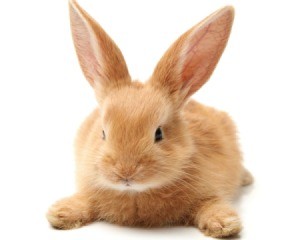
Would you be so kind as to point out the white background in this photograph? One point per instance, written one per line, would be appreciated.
(44, 97)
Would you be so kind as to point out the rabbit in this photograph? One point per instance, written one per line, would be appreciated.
(148, 155)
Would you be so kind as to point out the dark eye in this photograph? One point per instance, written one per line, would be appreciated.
(158, 135)
(103, 135)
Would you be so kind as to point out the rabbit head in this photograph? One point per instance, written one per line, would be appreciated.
(144, 141)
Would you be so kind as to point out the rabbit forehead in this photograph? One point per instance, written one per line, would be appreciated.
(136, 105)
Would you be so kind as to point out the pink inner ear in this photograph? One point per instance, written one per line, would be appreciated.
(84, 48)
(195, 64)
(204, 48)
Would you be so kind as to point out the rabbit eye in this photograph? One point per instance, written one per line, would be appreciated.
(158, 135)
(103, 135)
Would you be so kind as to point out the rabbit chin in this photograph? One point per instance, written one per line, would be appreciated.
(132, 187)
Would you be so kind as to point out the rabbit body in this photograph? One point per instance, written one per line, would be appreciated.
(213, 170)
(148, 156)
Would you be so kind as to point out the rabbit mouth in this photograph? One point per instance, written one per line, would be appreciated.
(128, 185)
(132, 187)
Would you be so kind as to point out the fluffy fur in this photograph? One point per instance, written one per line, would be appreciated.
(123, 175)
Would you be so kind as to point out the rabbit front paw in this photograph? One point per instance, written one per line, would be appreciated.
(221, 226)
(218, 219)
(69, 213)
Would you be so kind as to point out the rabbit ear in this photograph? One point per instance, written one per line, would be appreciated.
(190, 61)
(100, 59)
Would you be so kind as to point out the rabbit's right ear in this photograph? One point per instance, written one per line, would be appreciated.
(100, 59)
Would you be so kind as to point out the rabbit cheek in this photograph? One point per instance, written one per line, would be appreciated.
(104, 170)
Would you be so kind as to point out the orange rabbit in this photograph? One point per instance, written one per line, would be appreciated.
(147, 156)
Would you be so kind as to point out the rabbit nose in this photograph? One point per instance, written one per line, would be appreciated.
(124, 178)
(126, 181)
(126, 173)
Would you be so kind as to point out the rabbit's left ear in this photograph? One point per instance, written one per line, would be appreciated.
(100, 58)
(190, 61)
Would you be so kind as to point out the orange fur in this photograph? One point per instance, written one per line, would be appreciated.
(190, 176)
